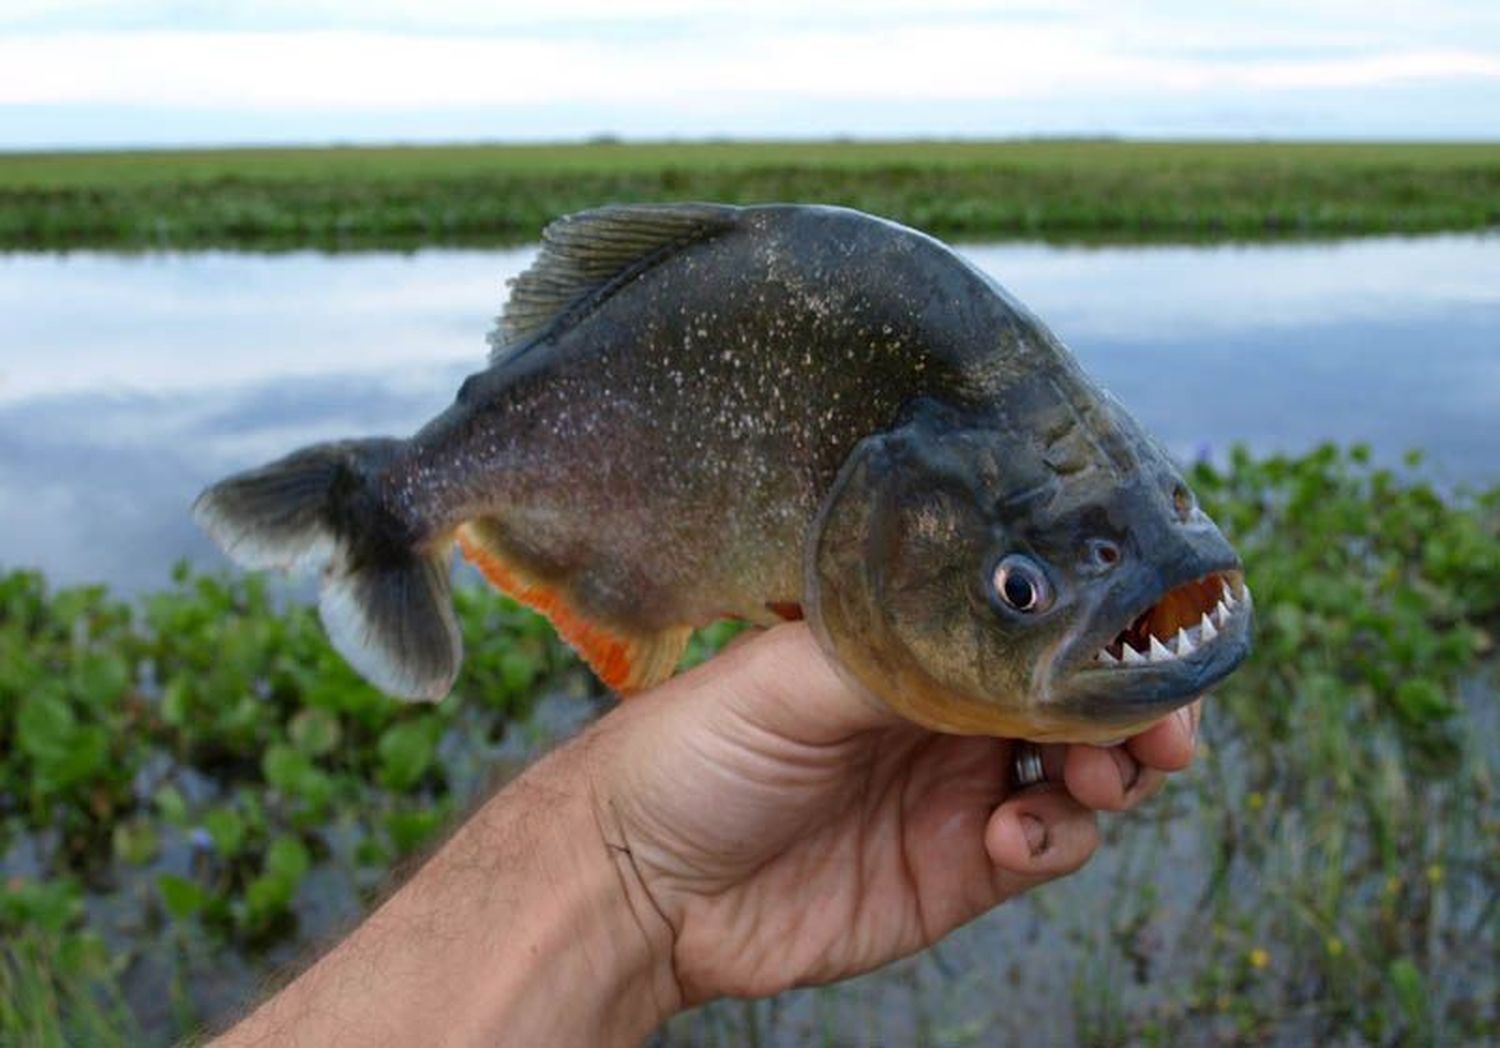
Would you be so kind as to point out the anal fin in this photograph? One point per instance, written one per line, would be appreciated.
(625, 660)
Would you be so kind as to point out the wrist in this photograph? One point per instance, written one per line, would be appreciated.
(524, 928)
(589, 958)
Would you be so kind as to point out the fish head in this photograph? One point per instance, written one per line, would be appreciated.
(984, 576)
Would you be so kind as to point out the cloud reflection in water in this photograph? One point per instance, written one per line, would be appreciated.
(127, 383)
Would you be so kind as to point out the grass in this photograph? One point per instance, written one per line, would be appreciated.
(220, 789)
(58, 984)
(357, 198)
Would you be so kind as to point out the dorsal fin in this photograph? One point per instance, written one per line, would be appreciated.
(585, 256)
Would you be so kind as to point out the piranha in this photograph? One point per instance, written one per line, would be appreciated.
(786, 411)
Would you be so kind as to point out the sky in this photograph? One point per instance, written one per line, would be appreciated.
(109, 73)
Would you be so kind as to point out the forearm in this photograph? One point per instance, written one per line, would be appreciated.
(525, 928)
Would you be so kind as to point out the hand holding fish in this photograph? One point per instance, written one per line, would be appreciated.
(756, 824)
(790, 830)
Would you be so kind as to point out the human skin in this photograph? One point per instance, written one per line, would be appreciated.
(753, 825)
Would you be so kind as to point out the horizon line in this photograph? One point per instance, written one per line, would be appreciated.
(606, 139)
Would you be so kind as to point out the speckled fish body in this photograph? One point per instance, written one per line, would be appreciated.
(667, 452)
(697, 411)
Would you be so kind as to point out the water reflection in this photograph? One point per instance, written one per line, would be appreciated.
(126, 383)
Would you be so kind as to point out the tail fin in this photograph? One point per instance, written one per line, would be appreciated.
(386, 605)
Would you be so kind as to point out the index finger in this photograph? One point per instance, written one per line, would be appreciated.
(1169, 744)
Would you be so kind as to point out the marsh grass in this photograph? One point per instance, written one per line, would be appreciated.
(196, 775)
(357, 198)
(58, 991)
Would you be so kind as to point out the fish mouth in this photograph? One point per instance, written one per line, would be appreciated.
(1184, 642)
(1184, 623)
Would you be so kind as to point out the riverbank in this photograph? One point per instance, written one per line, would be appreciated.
(362, 198)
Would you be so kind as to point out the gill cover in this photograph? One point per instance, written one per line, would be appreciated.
(895, 584)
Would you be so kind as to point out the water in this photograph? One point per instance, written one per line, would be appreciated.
(128, 382)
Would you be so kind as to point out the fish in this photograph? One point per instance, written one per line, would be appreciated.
(698, 411)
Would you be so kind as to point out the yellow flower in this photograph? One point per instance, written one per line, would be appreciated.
(1256, 800)
(1435, 873)
(1259, 958)
(1334, 945)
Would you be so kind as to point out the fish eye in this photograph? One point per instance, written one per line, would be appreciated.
(1020, 583)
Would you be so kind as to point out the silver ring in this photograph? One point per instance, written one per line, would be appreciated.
(1026, 765)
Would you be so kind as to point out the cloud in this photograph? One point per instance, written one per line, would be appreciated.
(696, 67)
(558, 16)
(359, 69)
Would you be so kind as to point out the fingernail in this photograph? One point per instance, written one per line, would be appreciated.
(1186, 713)
(1036, 833)
(1130, 771)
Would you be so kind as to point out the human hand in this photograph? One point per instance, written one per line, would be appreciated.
(753, 825)
(789, 830)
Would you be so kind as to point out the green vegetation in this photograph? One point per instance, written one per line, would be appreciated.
(213, 781)
(1349, 795)
(401, 197)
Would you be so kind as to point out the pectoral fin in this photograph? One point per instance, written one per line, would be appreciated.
(625, 660)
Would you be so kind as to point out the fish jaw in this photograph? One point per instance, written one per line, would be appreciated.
(1078, 697)
(1179, 645)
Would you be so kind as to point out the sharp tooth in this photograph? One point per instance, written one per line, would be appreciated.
(1221, 613)
(1159, 651)
(1130, 656)
(1206, 628)
(1184, 643)
(1227, 597)
(1106, 658)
